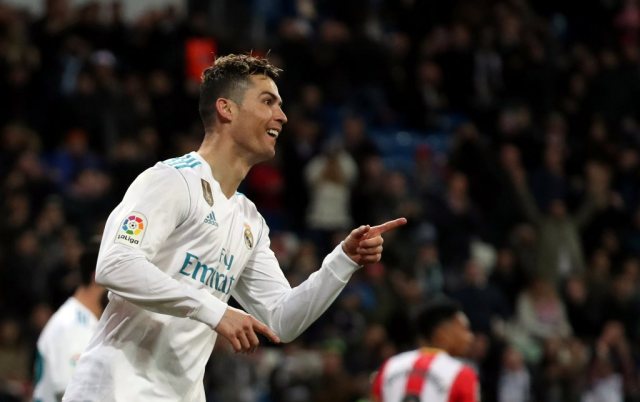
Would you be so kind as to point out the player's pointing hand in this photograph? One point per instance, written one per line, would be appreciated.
(364, 244)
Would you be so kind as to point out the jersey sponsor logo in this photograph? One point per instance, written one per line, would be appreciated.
(211, 219)
(212, 275)
(248, 236)
(132, 230)
(206, 192)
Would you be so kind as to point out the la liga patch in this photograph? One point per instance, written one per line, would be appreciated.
(131, 230)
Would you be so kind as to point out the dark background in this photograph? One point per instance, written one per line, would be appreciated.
(505, 131)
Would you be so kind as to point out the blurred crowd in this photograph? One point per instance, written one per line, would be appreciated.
(530, 216)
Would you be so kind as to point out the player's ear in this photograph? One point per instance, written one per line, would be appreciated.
(224, 109)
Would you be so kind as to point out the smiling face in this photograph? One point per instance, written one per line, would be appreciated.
(257, 119)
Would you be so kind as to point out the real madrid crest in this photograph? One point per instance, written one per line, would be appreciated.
(248, 236)
(206, 192)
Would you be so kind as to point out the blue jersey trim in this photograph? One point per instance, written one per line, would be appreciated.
(182, 162)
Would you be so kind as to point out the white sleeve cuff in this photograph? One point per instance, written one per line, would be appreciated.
(211, 310)
(339, 263)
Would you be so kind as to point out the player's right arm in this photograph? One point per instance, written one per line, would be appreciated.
(159, 200)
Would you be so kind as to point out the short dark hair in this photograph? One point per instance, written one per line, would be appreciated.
(88, 261)
(228, 77)
(434, 314)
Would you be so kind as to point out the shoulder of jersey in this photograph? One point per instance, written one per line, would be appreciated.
(444, 356)
(407, 354)
(65, 318)
(244, 200)
(184, 163)
(247, 205)
(190, 166)
(187, 166)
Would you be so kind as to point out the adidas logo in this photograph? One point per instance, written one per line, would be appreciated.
(211, 219)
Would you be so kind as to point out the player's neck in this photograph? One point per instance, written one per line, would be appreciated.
(227, 167)
(432, 346)
(91, 298)
(432, 349)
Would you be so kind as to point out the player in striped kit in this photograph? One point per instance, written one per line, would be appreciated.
(431, 374)
(183, 241)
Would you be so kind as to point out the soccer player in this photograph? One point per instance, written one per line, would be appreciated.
(183, 241)
(431, 373)
(68, 332)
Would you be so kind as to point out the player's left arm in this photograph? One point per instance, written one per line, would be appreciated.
(264, 291)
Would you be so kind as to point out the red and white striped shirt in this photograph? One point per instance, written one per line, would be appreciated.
(425, 375)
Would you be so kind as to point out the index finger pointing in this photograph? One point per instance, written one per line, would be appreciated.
(266, 331)
(385, 227)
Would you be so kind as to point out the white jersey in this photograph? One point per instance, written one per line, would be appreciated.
(60, 344)
(173, 252)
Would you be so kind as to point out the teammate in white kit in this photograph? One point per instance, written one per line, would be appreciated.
(431, 374)
(67, 333)
(183, 241)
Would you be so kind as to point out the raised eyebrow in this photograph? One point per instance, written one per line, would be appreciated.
(273, 96)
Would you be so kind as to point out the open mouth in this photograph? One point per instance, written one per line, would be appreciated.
(272, 132)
